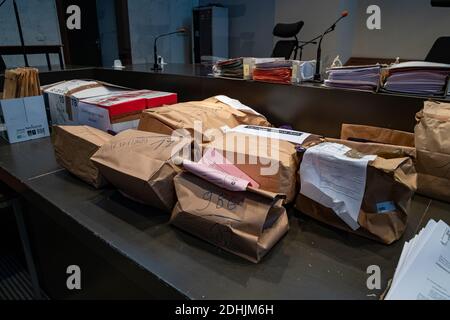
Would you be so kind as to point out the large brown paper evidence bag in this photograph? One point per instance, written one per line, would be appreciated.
(385, 195)
(246, 223)
(74, 147)
(432, 138)
(140, 165)
(199, 117)
(271, 162)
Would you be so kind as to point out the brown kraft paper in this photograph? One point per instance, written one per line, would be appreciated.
(391, 179)
(363, 133)
(139, 164)
(74, 147)
(273, 164)
(247, 224)
(432, 134)
(212, 113)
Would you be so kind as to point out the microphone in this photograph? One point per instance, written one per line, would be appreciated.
(156, 65)
(317, 76)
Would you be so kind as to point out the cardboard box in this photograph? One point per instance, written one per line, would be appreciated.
(23, 119)
(62, 98)
(120, 111)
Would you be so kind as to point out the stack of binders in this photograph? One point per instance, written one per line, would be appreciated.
(422, 78)
(275, 71)
(355, 77)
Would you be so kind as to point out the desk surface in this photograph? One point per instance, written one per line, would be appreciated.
(313, 261)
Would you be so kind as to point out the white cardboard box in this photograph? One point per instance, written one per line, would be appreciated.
(23, 119)
(63, 98)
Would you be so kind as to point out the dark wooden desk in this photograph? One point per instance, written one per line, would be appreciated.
(128, 250)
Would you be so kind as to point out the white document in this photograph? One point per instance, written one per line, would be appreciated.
(268, 132)
(236, 104)
(423, 272)
(335, 180)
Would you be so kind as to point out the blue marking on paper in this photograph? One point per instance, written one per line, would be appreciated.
(387, 206)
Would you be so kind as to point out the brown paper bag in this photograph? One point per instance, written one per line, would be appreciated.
(74, 147)
(392, 180)
(271, 163)
(139, 164)
(433, 174)
(212, 113)
(247, 224)
(362, 133)
(432, 134)
(432, 131)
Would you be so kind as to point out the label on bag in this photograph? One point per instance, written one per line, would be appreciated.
(334, 176)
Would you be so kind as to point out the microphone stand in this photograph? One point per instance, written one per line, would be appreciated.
(317, 75)
(156, 65)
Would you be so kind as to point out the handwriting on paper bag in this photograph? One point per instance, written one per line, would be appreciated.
(220, 201)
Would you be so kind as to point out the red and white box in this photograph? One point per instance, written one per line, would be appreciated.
(120, 111)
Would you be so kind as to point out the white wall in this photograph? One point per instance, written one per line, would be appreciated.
(409, 29)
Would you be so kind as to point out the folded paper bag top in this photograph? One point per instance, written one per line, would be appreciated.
(199, 116)
(370, 134)
(432, 131)
(74, 147)
(374, 192)
(432, 134)
(247, 224)
(140, 165)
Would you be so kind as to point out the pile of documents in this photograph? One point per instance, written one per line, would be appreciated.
(274, 71)
(423, 271)
(20, 83)
(426, 78)
(355, 77)
(231, 68)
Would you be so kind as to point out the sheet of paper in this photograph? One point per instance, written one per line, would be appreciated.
(236, 104)
(219, 178)
(335, 180)
(425, 272)
(274, 133)
(214, 159)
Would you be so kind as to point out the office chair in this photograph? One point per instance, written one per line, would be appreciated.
(440, 51)
(285, 48)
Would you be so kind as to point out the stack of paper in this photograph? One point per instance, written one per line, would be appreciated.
(354, 77)
(274, 71)
(232, 68)
(427, 78)
(423, 271)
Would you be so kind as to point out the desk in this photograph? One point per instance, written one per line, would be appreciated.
(128, 250)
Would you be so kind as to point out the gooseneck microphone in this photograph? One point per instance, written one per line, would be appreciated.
(156, 65)
(317, 75)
